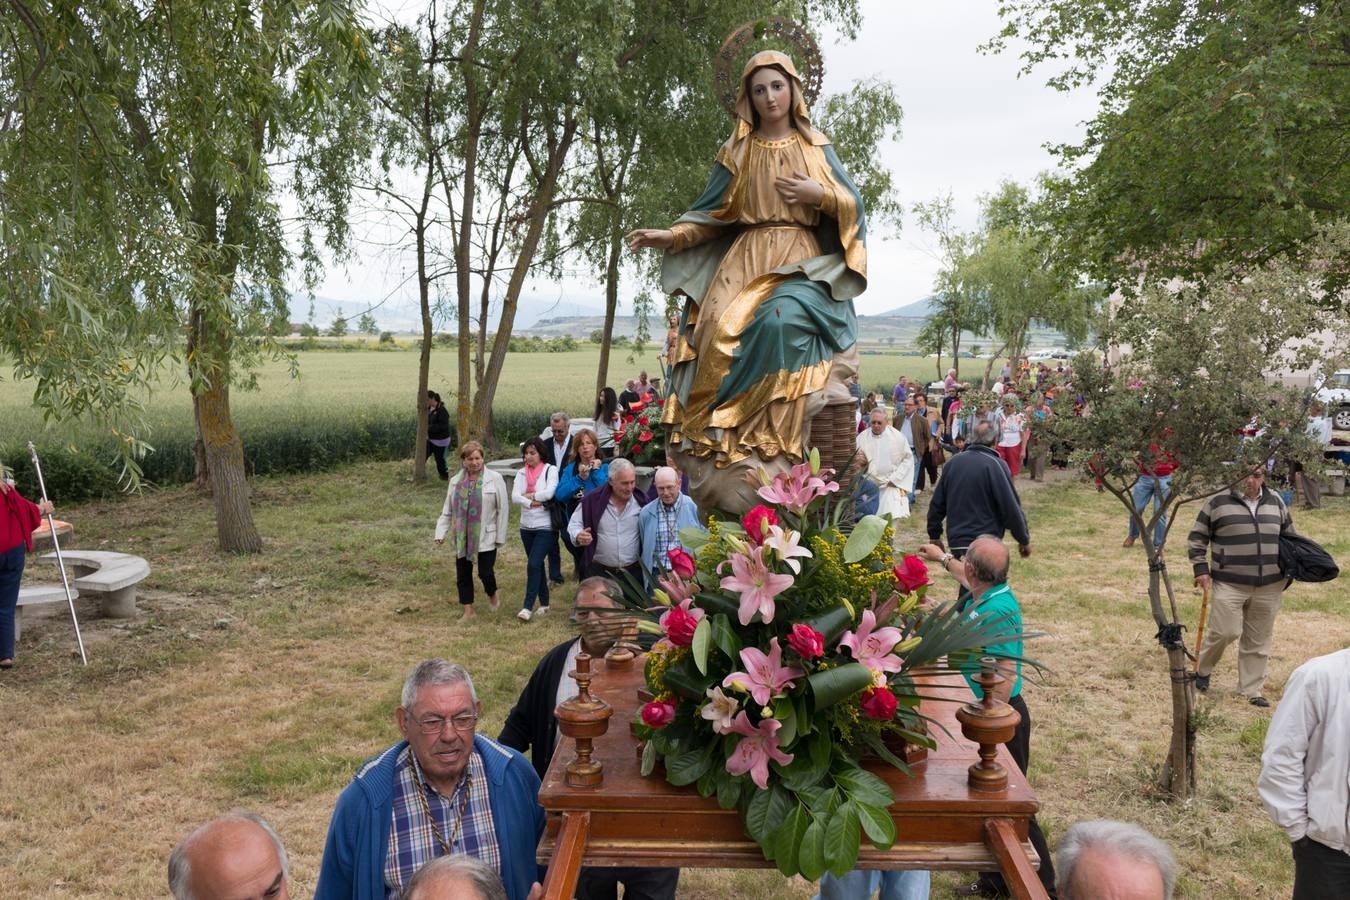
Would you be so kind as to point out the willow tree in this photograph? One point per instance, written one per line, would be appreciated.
(142, 157)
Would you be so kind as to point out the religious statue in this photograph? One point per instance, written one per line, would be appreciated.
(769, 260)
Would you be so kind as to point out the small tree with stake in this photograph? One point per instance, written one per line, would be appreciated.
(1195, 368)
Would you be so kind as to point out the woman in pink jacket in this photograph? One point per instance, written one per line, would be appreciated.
(18, 518)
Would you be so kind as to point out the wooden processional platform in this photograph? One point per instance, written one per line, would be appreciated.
(629, 820)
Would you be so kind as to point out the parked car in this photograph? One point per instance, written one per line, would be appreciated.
(1334, 395)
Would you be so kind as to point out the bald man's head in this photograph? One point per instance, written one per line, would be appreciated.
(987, 561)
(235, 857)
(455, 877)
(667, 482)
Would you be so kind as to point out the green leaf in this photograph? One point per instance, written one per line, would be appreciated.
(879, 747)
(785, 712)
(686, 768)
(699, 646)
(648, 758)
(843, 834)
(821, 747)
(811, 854)
(878, 824)
(724, 636)
(766, 810)
(832, 685)
(728, 788)
(787, 838)
(831, 623)
(864, 537)
(692, 537)
(802, 774)
(864, 787)
(686, 680)
(707, 783)
(717, 603)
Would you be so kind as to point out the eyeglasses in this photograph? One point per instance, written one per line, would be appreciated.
(436, 724)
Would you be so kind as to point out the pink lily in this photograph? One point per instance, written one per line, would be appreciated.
(720, 710)
(785, 547)
(765, 676)
(796, 489)
(675, 586)
(872, 646)
(751, 578)
(758, 746)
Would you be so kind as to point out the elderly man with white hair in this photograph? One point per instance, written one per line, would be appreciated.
(605, 525)
(442, 790)
(890, 464)
(1106, 860)
(660, 521)
(235, 856)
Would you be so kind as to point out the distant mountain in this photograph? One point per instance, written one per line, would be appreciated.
(401, 314)
(916, 310)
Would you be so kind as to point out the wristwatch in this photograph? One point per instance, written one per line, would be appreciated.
(946, 558)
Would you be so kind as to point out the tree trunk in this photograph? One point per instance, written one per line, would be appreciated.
(424, 360)
(474, 118)
(611, 301)
(956, 353)
(989, 366)
(202, 472)
(1178, 771)
(235, 530)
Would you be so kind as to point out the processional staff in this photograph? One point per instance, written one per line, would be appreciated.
(56, 544)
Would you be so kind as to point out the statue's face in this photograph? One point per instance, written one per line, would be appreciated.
(771, 94)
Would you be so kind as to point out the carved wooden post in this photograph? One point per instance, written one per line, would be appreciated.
(584, 718)
(988, 722)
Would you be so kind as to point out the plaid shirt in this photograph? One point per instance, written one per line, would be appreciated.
(667, 533)
(412, 842)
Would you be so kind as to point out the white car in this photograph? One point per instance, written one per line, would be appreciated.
(1334, 395)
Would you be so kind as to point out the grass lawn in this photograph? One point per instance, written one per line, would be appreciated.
(262, 682)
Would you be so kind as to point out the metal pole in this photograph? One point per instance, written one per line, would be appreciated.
(56, 544)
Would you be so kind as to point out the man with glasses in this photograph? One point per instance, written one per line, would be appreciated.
(442, 790)
(533, 725)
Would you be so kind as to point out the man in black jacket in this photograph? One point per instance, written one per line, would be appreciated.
(976, 496)
(532, 726)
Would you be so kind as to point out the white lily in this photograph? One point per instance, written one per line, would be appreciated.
(786, 547)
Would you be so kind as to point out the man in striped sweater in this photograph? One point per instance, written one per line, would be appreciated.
(1240, 530)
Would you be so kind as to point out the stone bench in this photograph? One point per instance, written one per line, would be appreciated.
(34, 594)
(112, 576)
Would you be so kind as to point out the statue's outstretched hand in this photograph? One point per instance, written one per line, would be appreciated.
(797, 188)
(658, 238)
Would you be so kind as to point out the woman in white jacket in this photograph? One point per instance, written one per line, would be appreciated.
(535, 484)
(475, 519)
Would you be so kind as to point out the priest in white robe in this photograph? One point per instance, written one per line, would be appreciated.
(890, 464)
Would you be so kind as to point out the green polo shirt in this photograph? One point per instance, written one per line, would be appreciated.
(996, 603)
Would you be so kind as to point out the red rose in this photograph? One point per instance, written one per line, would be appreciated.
(911, 574)
(659, 715)
(808, 642)
(877, 703)
(645, 436)
(679, 626)
(642, 420)
(757, 522)
(636, 407)
(681, 563)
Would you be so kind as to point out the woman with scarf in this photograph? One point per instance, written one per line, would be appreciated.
(19, 517)
(769, 259)
(474, 520)
(535, 483)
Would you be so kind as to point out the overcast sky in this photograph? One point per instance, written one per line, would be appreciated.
(969, 122)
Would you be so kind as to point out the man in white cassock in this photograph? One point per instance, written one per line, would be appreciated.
(890, 464)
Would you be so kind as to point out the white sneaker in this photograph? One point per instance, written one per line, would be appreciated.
(541, 610)
(523, 615)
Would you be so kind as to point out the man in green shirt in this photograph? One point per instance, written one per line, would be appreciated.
(984, 572)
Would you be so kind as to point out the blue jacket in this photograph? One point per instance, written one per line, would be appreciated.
(358, 836)
(686, 516)
(569, 483)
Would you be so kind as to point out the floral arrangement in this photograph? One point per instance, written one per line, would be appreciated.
(782, 653)
(640, 437)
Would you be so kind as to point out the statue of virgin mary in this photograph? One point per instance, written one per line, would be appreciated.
(769, 260)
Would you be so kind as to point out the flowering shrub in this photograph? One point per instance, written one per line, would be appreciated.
(640, 437)
(784, 653)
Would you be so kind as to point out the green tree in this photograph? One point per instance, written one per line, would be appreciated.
(957, 305)
(1221, 135)
(367, 325)
(141, 155)
(1195, 366)
(338, 328)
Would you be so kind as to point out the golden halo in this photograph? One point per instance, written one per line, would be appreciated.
(768, 33)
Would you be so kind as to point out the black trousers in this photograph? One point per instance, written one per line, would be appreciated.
(992, 883)
(598, 883)
(487, 573)
(1320, 872)
(439, 453)
(925, 463)
(594, 569)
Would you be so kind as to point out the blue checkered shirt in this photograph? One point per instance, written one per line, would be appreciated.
(667, 533)
(412, 842)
